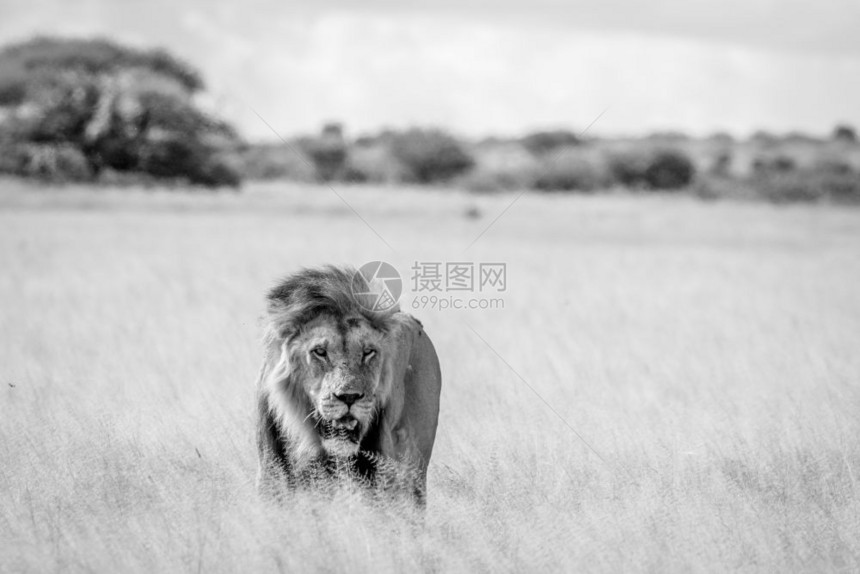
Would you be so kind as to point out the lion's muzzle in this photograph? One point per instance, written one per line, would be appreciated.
(343, 419)
(349, 398)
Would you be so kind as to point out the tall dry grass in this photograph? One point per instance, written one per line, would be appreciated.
(707, 353)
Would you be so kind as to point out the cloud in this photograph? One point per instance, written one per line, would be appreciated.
(476, 77)
(478, 67)
(826, 26)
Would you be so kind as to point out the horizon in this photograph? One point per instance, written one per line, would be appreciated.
(354, 135)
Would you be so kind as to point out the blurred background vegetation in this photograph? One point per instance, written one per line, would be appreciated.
(95, 111)
(84, 110)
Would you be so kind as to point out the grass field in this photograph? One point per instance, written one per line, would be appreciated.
(709, 354)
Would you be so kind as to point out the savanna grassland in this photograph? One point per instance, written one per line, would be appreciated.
(708, 355)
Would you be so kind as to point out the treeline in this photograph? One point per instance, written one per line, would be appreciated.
(791, 167)
(550, 160)
(95, 111)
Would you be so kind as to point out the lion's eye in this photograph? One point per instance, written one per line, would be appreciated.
(368, 354)
(320, 352)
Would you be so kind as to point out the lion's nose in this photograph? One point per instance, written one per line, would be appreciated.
(349, 398)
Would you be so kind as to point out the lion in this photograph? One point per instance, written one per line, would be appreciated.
(342, 387)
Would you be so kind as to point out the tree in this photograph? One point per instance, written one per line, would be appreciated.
(328, 151)
(540, 143)
(669, 169)
(844, 133)
(119, 108)
(661, 168)
(430, 155)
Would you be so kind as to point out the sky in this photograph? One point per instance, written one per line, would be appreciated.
(478, 67)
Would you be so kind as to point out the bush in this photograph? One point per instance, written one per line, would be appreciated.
(218, 170)
(277, 161)
(374, 163)
(721, 165)
(430, 155)
(830, 164)
(717, 186)
(834, 182)
(784, 187)
(570, 170)
(541, 143)
(486, 180)
(662, 169)
(328, 151)
(764, 139)
(779, 163)
(628, 168)
(186, 158)
(844, 133)
(841, 187)
(669, 169)
(48, 162)
(501, 167)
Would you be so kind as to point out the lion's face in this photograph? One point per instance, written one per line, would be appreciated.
(341, 363)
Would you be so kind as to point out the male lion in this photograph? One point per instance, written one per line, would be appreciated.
(343, 388)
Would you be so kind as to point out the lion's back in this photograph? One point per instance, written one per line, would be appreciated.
(422, 390)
